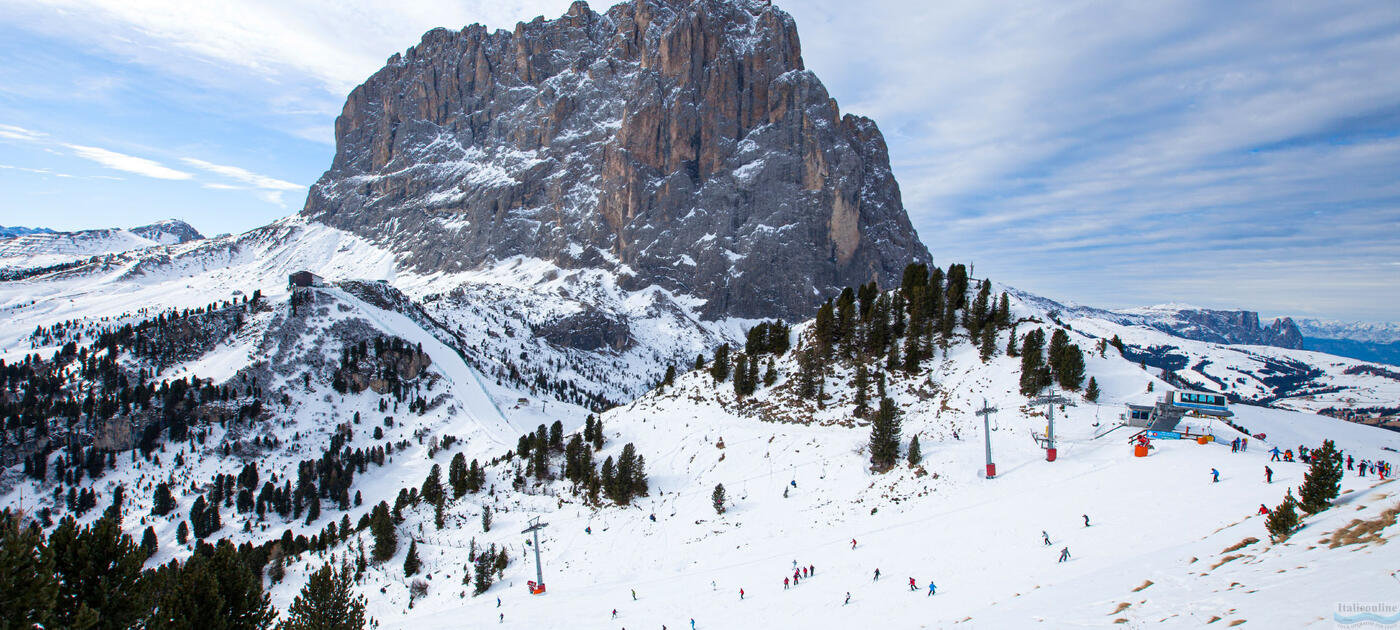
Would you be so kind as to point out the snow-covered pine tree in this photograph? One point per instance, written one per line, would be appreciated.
(1323, 481)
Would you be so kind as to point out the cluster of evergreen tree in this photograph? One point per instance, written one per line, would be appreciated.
(1064, 364)
(91, 577)
(487, 564)
(1321, 485)
(464, 478)
(768, 338)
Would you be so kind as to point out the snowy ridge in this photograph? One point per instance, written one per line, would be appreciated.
(47, 248)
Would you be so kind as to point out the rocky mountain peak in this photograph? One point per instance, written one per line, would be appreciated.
(676, 143)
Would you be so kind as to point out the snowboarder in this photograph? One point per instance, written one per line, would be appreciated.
(1268, 475)
(692, 623)
(1064, 554)
(1086, 520)
(1214, 476)
(1275, 453)
(848, 598)
(1046, 537)
(741, 594)
(913, 586)
(877, 576)
(1263, 510)
(931, 589)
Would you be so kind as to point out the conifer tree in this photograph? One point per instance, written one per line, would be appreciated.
(1091, 393)
(751, 375)
(861, 384)
(1323, 481)
(1070, 370)
(162, 502)
(485, 519)
(386, 538)
(699, 361)
(741, 372)
(457, 475)
(410, 562)
(432, 486)
(1033, 372)
(717, 498)
(915, 456)
(885, 436)
(770, 374)
(989, 343)
(28, 590)
(1003, 314)
(719, 368)
(484, 567)
(327, 602)
(99, 576)
(1011, 350)
(149, 545)
(670, 378)
(1283, 519)
(598, 435)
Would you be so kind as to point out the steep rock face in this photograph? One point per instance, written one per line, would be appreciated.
(677, 143)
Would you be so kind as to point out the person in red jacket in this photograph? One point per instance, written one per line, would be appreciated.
(1263, 510)
(913, 586)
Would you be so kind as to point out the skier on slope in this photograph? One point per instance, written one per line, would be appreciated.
(1064, 554)
(931, 589)
(1275, 454)
(853, 543)
(1268, 475)
(1046, 536)
(785, 584)
(877, 576)
(848, 598)
(634, 594)
(913, 586)
(1086, 520)
(1263, 510)
(1214, 476)
(741, 593)
(812, 569)
(614, 613)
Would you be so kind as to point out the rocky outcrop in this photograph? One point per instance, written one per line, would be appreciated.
(677, 143)
(1239, 327)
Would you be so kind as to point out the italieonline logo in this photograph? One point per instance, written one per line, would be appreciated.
(1356, 615)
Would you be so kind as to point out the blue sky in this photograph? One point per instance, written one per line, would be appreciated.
(1240, 154)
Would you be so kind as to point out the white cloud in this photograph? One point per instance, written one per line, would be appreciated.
(127, 163)
(11, 132)
(268, 189)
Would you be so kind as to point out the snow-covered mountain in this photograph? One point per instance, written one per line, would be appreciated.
(537, 238)
(1375, 332)
(7, 232)
(672, 143)
(44, 249)
(357, 374)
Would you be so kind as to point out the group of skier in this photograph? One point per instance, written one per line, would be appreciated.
(798, 574)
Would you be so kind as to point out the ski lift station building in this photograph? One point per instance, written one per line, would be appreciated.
(1168, 411)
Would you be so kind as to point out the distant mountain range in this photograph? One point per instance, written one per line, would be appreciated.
(24, 249)
(7, 232)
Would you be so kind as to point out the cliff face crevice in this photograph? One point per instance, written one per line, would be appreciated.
(678, 143)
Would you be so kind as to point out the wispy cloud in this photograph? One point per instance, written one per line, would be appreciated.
(269, 189)
(127, 163)
(11, 132)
